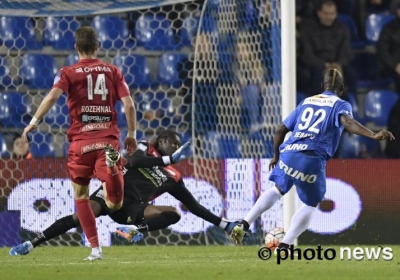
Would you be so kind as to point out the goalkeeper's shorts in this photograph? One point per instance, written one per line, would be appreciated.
(131, 212)
(306, 171)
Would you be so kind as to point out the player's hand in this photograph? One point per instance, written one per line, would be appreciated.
(183, 152)
(27, 129)
(130, 145)
(273, 163)
(384, 134)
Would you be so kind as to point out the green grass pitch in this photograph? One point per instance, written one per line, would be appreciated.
(184, 262)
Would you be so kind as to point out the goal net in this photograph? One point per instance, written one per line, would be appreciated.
(208, 69)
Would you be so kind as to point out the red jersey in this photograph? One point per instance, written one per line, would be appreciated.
(93, 88)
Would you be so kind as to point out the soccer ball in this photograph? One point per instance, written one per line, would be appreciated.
(274, 237)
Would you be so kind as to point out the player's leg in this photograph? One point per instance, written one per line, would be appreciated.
(108, 169)
(267, 199)
(59, 227)
(80, 167)
(147, 218)
(311, 192)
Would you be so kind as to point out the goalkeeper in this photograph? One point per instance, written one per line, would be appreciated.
(148, 174)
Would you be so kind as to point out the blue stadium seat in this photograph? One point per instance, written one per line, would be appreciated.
(154, 32)
(59, 32)
(58, 116)
(41, 145)
(374, 25)
(3, 147)
(377, 106)
(14, 110)
(18, 33)
(169, 69)
(356, 146)
(5, 78)
(113, 33)
(366, 67)
(38, 70)
(354, 104)
(135, 69)
(228, 147)
(121, 118)
(71, 59)
(356, 42)
(189, 30)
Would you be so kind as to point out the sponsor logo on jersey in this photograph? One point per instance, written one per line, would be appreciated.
(309, 178)
(95, 126)
(295, 147)
(304, 135)
(95, 118)
(96, 109)
(93, 69)
(100, 194)
(321, 100)
(93, 147)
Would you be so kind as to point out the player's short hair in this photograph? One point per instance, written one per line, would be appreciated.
(325, 2)
(86, 40)
(333, 81)
(165, 134)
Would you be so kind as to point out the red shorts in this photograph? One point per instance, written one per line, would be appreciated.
(87, 159)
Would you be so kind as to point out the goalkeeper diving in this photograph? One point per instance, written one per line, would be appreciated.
(148, 175)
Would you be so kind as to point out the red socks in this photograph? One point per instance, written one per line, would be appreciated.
(88, 221)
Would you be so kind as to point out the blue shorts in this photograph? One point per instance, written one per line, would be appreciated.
(306, 172)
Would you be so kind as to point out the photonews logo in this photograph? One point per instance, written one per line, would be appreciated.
(329, 254)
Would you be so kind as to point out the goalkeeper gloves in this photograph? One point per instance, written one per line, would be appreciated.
(183, 152)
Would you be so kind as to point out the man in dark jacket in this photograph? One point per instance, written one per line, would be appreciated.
(388, 49)
(324, 44)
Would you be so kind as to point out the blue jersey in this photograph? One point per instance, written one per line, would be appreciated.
(315, 125)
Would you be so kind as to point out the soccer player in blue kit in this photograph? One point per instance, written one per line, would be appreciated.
(316, 126)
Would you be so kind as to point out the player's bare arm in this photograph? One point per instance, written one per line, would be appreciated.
(44, 107)
(355, 127)
(130, 112)
(279, 137)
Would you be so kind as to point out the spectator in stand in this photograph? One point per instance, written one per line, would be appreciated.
(388, 49)
(364, 8)
(20, 148)
(324, 44)
(393, 147)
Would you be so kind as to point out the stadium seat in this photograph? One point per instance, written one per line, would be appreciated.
(113, 33)
(59, 32)
(18, 33)
(71, 59)
(190, 26)
(356, 146)
(354, 104)
(38, 70)
(170, 68)
(14, 108)
(135, 69)
(224, 146)
(377, 106)
(154, 32)
(3, 147)
(374, 25)
(356, 42)
(41, 145)
(189, 30)
(5, 78)
(121, 118)
(58, 116)
(367, 71)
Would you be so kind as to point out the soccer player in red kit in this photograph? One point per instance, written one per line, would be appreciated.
(93, 88)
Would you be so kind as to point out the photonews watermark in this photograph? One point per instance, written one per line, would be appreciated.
(329, 254)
